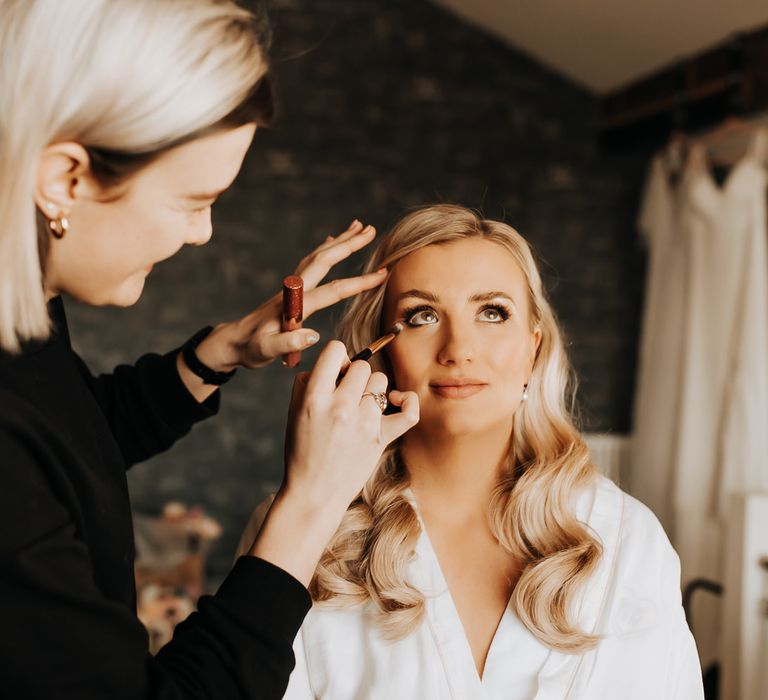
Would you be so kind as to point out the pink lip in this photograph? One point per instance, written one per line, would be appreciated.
(457, 388)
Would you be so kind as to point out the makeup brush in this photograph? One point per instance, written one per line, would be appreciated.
(372, 348)
(369, 350)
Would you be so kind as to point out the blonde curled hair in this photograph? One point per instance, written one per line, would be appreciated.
(531, 511)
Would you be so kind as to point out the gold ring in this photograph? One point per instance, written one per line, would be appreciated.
(380, 398)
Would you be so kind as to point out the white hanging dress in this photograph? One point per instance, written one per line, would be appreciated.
(723, 410)
(657, 394)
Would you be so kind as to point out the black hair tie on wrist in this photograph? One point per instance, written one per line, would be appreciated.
(208, 375)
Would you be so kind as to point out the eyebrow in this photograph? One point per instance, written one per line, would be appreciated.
(204, 196)
(480, 296)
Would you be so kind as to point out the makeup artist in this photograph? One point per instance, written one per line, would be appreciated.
(121, 122)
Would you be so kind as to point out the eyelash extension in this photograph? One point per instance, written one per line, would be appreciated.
(409, 313)
(502, 310)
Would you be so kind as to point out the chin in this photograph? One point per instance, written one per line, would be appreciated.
(128, 293)
(456, 425)
(460, 422)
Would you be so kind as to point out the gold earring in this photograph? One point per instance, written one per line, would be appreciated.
(59, 226)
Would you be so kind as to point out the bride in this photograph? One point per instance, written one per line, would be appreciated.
(486, 557)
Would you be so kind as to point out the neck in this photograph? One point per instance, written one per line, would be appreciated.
(49, 289)
(462, 470)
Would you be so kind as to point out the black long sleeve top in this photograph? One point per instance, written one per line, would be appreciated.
(68, 627)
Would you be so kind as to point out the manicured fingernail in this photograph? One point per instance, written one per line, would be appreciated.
(381, 271)
(355, 222)
(312, 339)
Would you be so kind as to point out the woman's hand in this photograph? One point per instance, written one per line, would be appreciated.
(336, 434)
(335, 438)
(257, 339)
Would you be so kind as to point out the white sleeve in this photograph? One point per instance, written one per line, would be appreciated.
(685, 680)
(684, 677)
(299, 687)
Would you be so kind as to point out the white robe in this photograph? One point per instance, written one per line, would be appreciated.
(633, 600)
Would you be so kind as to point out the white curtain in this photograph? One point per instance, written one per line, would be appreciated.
(701, 412)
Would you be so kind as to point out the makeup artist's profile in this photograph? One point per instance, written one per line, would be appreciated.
(121, 123)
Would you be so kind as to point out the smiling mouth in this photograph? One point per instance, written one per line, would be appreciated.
(456, 391)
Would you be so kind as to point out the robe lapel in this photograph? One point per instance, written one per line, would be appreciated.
(443, 622)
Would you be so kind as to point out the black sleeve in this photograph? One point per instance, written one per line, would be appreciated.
(60, 638)
(147, 405)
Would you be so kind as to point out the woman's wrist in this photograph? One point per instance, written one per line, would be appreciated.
(217, 352)
(296, 531)
(220, 350)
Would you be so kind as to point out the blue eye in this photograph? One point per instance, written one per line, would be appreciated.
(494, 313)
(420, 316)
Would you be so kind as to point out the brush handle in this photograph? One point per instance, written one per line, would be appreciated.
(364, 354)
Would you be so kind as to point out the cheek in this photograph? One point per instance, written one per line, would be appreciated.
(509, 360)
(410, 359)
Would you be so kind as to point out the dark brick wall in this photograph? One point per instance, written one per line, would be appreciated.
(384, 104)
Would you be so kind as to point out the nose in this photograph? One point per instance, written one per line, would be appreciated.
(457, 347)
(201, 233)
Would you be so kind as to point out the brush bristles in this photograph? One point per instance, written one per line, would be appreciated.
(385, 340)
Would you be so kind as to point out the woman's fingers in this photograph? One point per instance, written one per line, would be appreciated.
(337, 435)
(351, 387)
(277, 344)
(298, 391)
(322, 381)
(317, 265)
(397, 424)
(377, 384)
(338, 290)
(354, 228)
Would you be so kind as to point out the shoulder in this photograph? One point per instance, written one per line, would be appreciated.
(634, 540)
(611, 511)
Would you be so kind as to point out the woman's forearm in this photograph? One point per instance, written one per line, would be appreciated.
(295, 532)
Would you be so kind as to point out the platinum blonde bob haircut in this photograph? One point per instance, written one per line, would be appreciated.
(127, 79)
(531, 511)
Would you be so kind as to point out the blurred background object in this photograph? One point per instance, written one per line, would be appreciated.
(171, 553)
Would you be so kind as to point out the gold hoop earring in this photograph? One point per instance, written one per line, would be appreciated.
(59, 226)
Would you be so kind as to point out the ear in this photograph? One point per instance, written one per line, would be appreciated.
(536, 336)
(63, 177)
